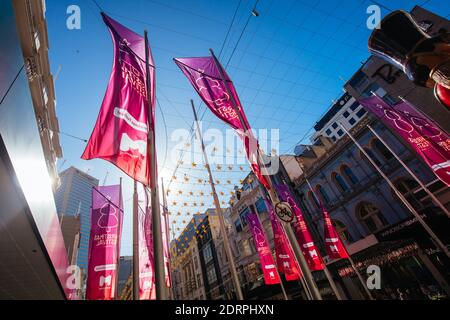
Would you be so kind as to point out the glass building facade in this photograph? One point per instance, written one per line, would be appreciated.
(74, 197)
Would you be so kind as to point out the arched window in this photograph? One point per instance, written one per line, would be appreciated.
(341, 229)
(313, 200)
(381, 149)
(339, 181)
(408, 188)
(371, 216)
(371, 155)
(348, 174)
(321, 191)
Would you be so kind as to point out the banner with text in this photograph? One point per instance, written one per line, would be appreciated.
(421, 133)
(120, 135)
(104, 242)
(309, 249)
(285, 256)
(262, 246)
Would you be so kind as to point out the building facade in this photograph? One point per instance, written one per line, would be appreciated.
(74, 197)
(187, 278)
(346, 111)
(371, 220)
(29, 147)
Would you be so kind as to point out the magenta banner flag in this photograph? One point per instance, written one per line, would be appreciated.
(309, 249)
(421, 133)
(120, 135)
(285, 257)
(333, 243)
(146, 259)
(104, 242)
(205, 77)
(262, 246)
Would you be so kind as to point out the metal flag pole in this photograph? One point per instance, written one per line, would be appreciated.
(352, 263)
(166, 215)
(158, 252)
(226, 242)
(135, 243)
(283, 290)
(422, 185)
(274, 198)
(433, 236)
(119, 233)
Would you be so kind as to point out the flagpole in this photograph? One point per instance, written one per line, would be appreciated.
(158, 251)
(166, 215)
(352, 263)
(120, 224)
(433, 236)
(274, 198)
(422, 185)
(226, 242)
(135, 243)
(276, 261)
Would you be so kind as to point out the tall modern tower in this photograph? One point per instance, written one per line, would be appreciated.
(74, 197)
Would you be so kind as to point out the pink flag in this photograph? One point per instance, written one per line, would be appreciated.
(333, 243)
(285, 256)
(421, 133)
(206, 79)
(265, 254)
(120, 135)
(146, 261)
(309, 249)
(104, 242)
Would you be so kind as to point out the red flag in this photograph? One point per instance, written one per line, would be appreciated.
(104, 242)
(205, 77)
(333, 243)
(265, 254)
(309, 249)
(285, 256)
(120, 135)
(421, 133)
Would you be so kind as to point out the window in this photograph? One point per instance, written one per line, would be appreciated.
(361, 113)
(381, 149)
(334, 125)
(243, 216)
(333, 138)
(346, 114)
(211, 274)
(328, 132)
(371, 155)
(238, 225)
(408, 187)
(354, 106)
(260, 206)
(352, 121)
(340, 182)
(342, 230)
(340, 132)
(313, 200)
(207, 253)
(323, 193)
(348, 174)
(371, 217)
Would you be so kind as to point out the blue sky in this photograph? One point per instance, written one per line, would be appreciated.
(287, 69)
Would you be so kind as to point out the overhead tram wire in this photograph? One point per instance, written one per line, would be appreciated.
(223, 45)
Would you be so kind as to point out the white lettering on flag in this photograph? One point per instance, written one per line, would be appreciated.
(126, 144)
(128, 118)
